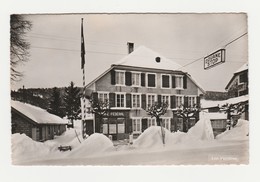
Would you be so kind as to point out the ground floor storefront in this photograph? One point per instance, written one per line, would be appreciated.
(119, 124)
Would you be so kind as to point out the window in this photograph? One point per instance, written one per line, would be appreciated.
(218, 123)
(165, 81)
(166, 123)
(151, 80)
(165, 99)
(242, 78)
(136, 100)
(137, 127)
(120, 78)
(136, 79)
(103, 96)
(179, 100)
(151, 122)
(120, 100)
(179, 81)
(151, 98)
(191, 101)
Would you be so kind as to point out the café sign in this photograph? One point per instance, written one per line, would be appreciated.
(214, 59)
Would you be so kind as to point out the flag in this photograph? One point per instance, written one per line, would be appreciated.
(82, 46)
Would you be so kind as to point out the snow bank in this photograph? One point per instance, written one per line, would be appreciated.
(152, 138)
(94, 144)
(239, 132)
(24, 148)
(202, 130)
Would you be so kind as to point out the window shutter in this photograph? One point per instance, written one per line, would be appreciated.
(128, 100)
(165, 81)
(173, 101)
(185, 81)
(128, 78)
(130, 126)
(112, 99)
(144, 124)
(159, 100)
(151, 80)
(143, 79)
(175, 122)
(144, 101)
(173, 82)
(95, 97)
(198, 101)
(113, 77)
(185, 102)
(172, 125)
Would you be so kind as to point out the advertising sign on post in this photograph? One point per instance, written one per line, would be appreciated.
(214, 59)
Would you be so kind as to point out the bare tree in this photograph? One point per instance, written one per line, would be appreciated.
(157, 110)
(19, 46)
(232, 110)
(186, 113)
(99, 108)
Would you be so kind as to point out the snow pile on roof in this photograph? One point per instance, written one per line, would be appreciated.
(235, 100)
(37, 114)
(94, 144)
(242, 68)
(239, 132)
(145, 57)
(24, 148)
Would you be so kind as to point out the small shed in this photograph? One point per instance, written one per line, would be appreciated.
(35, 122)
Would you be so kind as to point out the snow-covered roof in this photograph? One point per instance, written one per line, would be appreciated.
(210, 103)
(37, 114)
(145, 58)
(242, 68)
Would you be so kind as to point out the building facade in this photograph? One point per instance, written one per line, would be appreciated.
(35, 122)
(134, 84)
(238, 84)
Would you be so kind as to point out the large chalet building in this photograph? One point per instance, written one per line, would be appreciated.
(132, 85)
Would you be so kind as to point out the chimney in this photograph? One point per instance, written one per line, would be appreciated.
(130, 47)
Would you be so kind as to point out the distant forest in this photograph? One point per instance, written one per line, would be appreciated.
(39, 97)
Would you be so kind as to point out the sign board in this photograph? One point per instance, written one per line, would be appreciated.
(214, 59)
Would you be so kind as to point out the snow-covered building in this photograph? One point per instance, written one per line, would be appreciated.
(35, 122)
(238, 84)
(133, 84)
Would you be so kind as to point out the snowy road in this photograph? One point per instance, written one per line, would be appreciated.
(235, 153)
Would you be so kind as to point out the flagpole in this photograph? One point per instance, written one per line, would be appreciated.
(84, 89)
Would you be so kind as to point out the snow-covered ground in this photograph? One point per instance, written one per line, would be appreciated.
(198, 146)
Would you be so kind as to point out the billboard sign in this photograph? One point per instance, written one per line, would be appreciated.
(214, 59)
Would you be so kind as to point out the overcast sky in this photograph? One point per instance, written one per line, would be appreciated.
(55, 45)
